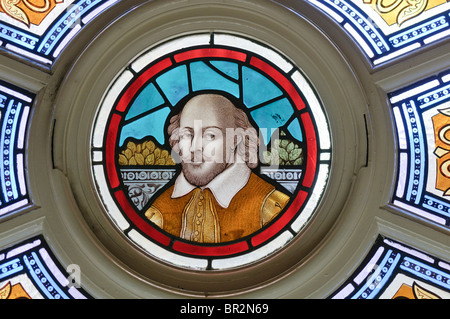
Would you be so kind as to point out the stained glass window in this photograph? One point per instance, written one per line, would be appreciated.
(39, 30)
(15, 110)
(138, 171)
(422, 120)
(212, 151)
(29, 270)
(393, 270)
(385, 29)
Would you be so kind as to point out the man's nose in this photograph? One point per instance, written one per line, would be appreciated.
(196, 144)
(196, 149)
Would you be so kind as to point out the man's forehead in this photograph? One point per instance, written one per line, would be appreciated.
(208, 111)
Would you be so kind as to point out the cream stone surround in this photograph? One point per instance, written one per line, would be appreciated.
(353, 212)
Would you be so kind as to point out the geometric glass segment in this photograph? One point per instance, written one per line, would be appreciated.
(39, 30)
(385, 29)
(257, 142)
(29, 270)
(422, 122)
(393, 270)
(15, 110)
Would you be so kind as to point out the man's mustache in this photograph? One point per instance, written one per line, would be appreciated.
(199, 157)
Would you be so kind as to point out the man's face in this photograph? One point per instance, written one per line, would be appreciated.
(203, 143)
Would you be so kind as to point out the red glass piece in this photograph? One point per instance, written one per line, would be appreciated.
(110, 155)
(280, 79)
(210, 53)
(137, 220)
(285, 218)
(311, 153)
(140, 81)
(199, 250)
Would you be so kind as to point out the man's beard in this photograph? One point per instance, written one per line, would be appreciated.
(199, 174)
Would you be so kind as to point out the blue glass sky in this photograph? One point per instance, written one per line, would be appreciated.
(268, 107)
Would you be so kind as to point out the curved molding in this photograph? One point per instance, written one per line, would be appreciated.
(353, 213)
(148, 25)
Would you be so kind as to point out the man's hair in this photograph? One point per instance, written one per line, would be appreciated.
(247, 148)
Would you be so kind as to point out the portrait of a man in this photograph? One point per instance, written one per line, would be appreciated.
(216, 197)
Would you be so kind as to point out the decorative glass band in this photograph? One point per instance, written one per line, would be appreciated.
(29, 270)
(422, 118)
(392, 270)
(15, 106)
(369, 24)
(45, 40)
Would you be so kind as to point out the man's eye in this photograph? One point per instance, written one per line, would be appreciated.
(186, 135)
(210, 136)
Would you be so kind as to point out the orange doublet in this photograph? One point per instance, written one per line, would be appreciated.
(198, 217)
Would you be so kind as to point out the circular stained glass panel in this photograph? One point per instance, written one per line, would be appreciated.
(211, 151)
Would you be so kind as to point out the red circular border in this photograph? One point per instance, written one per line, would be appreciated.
(218, 249)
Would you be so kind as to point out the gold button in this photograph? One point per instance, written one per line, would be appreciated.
(201, 197)
(200, 203)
